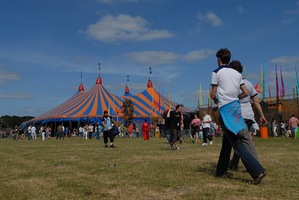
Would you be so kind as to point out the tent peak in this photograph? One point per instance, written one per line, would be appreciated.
(127, 91)
(81, 87)
(99, 80)
(149, 84)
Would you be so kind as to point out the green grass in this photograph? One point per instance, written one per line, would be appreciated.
(83, 169)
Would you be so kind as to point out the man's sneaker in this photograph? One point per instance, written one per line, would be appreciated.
(178, 148)
(170, 146)
(258, 179)
(112, 146)
(204, 144)
(211, 142)
(225, 175)
(106, 145)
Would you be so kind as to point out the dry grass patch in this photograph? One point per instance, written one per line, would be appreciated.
(136, 169)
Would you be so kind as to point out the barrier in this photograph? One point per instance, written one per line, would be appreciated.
(297, 133)
(264, 132)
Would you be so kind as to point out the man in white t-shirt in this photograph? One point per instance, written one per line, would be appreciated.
(33, 132)
(29, 132)
(80, 131)
(206, 125)
(90, 131)
(107, 123)
(227, 82)
(248, 115)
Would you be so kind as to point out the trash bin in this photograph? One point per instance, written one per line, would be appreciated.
(264, 132)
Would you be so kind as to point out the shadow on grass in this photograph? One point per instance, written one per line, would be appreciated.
(210, 168)
(207, 168)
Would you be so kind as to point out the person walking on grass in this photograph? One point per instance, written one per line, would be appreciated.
(248, 115)
(293, 125)
(59, 131)
(145, 130)
(29, 132)
(196, 126)
(175, 118)
(226, 84)
(206, 133)
(85, 132)
(107, 123)
(33, 133)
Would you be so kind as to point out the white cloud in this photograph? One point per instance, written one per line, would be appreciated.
(286, 60)
(15, 95)
(210, 18)
(240, 9)
(164, 57)
(287, 75)
(8, 76)
(153, 57)
(287, 21)
(116, 1)
(290, 12)
(43, 59)
(107, 1)
(124, 28)
(198, 55)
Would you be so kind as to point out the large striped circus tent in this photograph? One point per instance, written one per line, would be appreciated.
(151, 103)
(88, 107)
(85, 107)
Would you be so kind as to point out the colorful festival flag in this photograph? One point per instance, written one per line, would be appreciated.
(297, 81)
(282, 84)
(200, 96)
(169, 99)
(263, 85)
(295, 91)
(257, 88)
(209, 98)
(277, 86)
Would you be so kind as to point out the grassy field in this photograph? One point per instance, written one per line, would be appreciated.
(83, 169)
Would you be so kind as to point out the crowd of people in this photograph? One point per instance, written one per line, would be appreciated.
(287, 128)
(191, 126)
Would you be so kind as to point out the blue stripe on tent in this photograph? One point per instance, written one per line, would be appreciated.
(144, 112)
(89, 108)
(81, 105)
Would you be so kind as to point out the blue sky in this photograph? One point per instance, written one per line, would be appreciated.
(46, 45)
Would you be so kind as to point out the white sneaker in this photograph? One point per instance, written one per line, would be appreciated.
(204, 144)
(211, 142)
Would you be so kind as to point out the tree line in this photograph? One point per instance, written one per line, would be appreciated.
(7, 121)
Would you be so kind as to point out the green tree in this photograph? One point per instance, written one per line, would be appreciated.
(7, 121)
(127, 110)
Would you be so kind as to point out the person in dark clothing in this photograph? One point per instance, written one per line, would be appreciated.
(107, 123)
(176, 118)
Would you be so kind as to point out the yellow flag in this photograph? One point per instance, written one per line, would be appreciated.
(200, 96)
